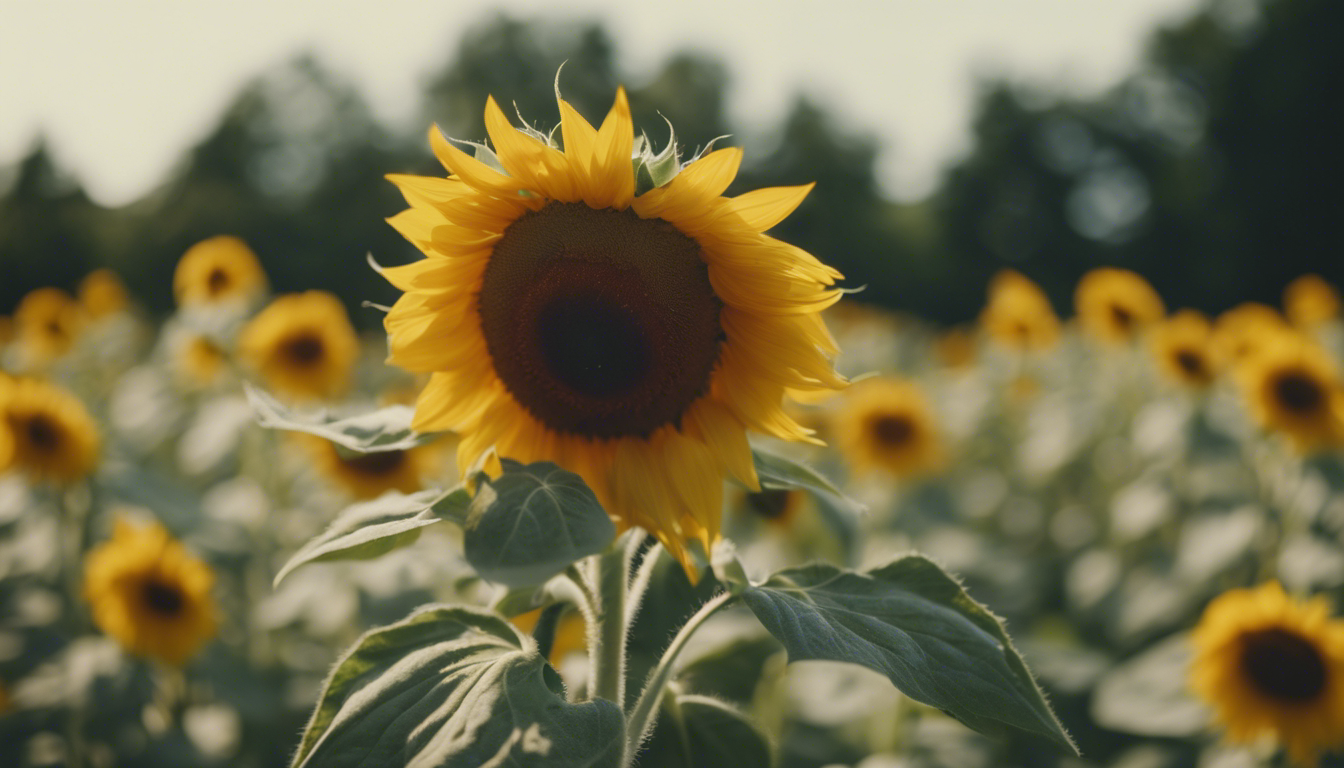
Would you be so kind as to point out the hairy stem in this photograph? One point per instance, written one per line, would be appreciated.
(608, 576)
(641, 718)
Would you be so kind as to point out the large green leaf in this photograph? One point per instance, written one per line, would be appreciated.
(531, 522)
(452, 686)
(912, 622)
(696, 731)
(372, 528)
(386, 429)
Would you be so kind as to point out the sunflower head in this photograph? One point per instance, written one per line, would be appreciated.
(1244, 329)
(101, 293)
(147, 591)
(1017, 314)
(630, 339)
(1183, 349)
(53, 438)
(47, 323)
(1270, 665)
(199, 360)
(1116, 305)
(778, 507)
(220, 270)
(887, 424)
(1291, 386)
(370, 475)
(1309, 301)
(302, 344)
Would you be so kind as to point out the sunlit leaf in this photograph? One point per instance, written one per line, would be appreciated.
(372, 528)
(454, 687)
(531, 522)
(385, 429)
(913, 623)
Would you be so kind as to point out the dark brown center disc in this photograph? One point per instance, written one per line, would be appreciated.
(1283, 665)
(600, 323)
(1299, 392)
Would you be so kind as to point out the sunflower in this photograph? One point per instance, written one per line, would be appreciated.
(220, 270)
(47, 323)
(303, 345)
(1309, 301)
(1018, 315)
(1115, 305)
(630, 339)
(955, 348)
(887, 424)
(101, 293)
(776, 506)
(1292, 386)
(1245, 328)
(1182, 346)
(151, 594)
(53, 437)
(199, 360)
(370, 475)
(1271, 665)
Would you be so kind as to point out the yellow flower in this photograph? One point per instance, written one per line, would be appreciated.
(147, 591)
(1291, 386)
(1183, 348)
(1242, 330)
(631, 340)
(955, 348)
(47, 322)
(53, 437)
(303, 345)
(199, 360)
(1018, 314)
(1309, 301)
(1115, 305)
(216, 271)
(1271, 665)
(776, 506)
(102, 293)
(370, 475)
(887, 424)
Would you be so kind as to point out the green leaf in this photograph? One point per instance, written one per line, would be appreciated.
(370, 529)
(452, 687)
(780, 473)
(386, 429)
(913, 623)
(531, 522)
(695, 730)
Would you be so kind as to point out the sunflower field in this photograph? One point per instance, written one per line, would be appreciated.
(629, 481)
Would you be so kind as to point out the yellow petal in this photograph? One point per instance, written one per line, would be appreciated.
(762, 209)
(613, 172)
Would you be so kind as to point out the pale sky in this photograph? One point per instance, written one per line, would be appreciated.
(122, 87)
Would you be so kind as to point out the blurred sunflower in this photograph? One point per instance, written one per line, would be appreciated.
(1271, 665)
(776, 506)
(6, 330)
(370, 475)
(303, 345)
(47, 322)
(1017, 314)
(1292, 386)
(1309, 301)
(199, 360)
(1183, 348)
(147, 591)
(631, 339)
(54, 439)
(219, 270)
(887, 424)
(101, 293)
(955, 348)
(1245, 328)
(1115, 305)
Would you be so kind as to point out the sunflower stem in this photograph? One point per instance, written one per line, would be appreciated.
(608, 575)
(641, 719)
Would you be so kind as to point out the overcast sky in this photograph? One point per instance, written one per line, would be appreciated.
(122, 88)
